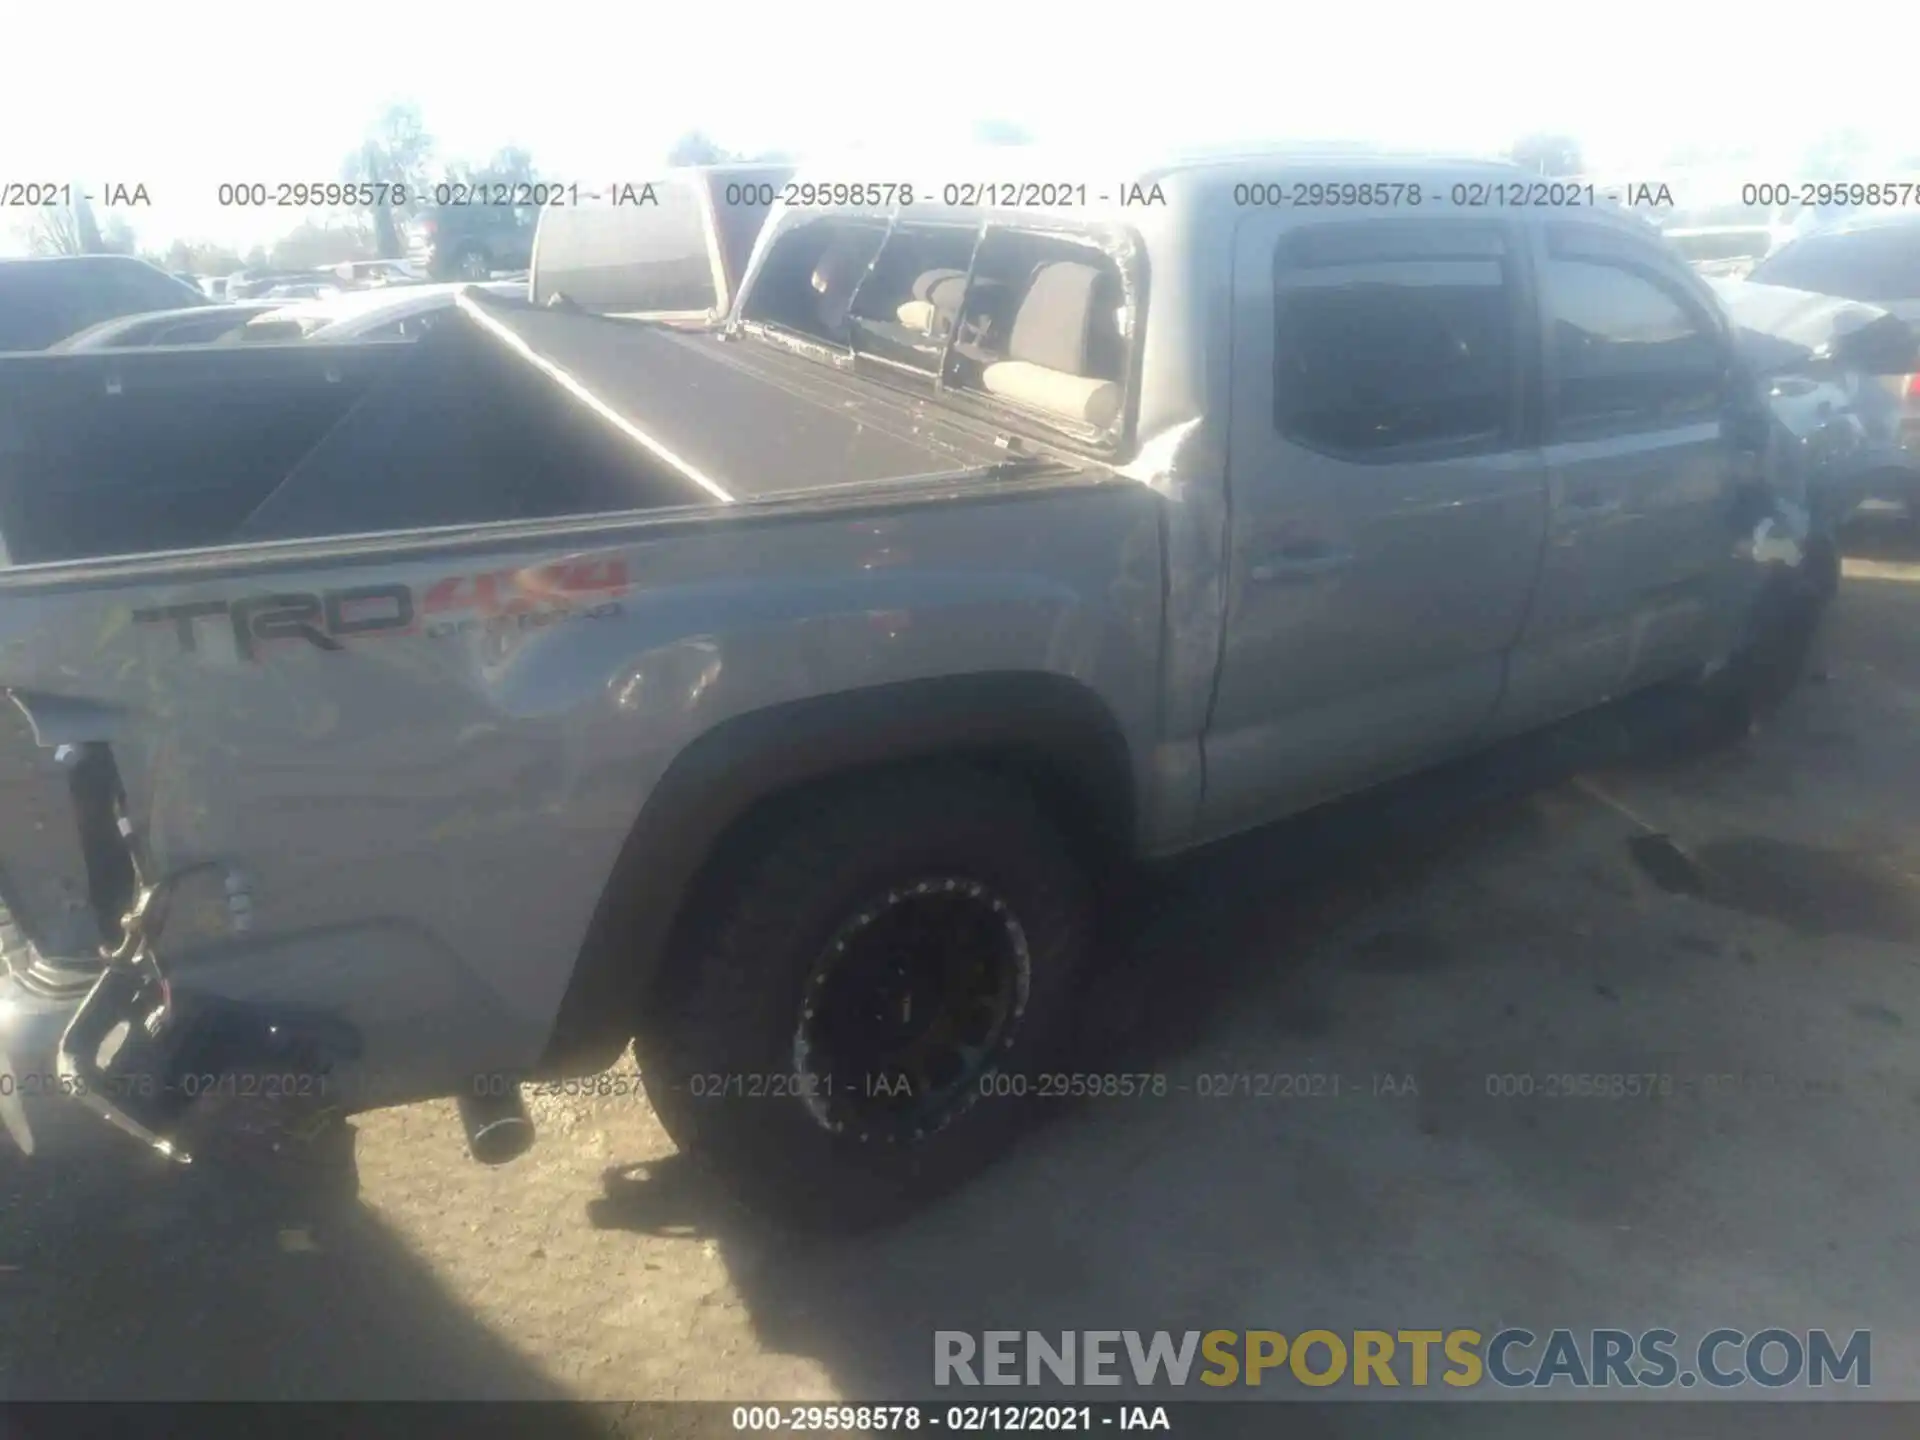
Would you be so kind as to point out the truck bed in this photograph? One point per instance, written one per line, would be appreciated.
(504, 413)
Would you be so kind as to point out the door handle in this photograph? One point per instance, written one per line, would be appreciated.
(1303, 563)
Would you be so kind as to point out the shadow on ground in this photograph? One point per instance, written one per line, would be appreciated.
(1245, 1218)
(124, 1277)
(1206, 936)
(1492, 916)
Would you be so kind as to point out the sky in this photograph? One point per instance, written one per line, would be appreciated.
(597, 91)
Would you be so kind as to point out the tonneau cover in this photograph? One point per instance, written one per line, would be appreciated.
(739, 415)
(503, 413)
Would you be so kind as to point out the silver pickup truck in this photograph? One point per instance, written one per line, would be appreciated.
(416, 720)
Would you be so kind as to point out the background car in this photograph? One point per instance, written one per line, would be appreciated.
(1725, 251)
(1875, 259)
(195, 325)
(44, 300)
(471, 242)
(307, 289)
(253, 284)
(390, 313)
(365, 273)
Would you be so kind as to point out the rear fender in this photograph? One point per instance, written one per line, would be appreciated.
(1052, 726)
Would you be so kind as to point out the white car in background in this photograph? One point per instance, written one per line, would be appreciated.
(387, 313)
(357, 273)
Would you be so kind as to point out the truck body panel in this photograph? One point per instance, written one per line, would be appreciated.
(425, 766)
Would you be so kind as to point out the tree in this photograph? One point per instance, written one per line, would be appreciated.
(395, 157)
(117, 237)
(73, 230)
(1001, 132)
(1548, 154)
(55, 231)
(201, 257)
(696, 148)
(315, 243)
(510, 165)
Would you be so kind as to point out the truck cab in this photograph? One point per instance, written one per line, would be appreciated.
(1410, 391)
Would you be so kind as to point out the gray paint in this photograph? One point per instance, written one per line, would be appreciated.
(429, 821)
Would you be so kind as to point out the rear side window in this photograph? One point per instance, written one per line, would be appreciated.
(1867, 265)
(1394, 336)
(1625, 349)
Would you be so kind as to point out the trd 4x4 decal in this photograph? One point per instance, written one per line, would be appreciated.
(459, 603)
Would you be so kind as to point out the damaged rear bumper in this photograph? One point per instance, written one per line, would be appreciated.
(127, 1047)
(30, 1029)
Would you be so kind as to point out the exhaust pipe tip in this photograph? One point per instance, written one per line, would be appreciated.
(498, 1127)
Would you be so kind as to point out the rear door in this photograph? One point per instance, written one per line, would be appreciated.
(1641, 454)
(1387, 503)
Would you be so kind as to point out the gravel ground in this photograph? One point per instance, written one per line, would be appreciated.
(1518, 915)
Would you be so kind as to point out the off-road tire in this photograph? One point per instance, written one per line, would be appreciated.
(742, 974)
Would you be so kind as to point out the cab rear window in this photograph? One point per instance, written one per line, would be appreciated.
(1034, 321)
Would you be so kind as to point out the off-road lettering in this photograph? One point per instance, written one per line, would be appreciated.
(279, 617)
(323, 619)
(315, 618)
(369, 609)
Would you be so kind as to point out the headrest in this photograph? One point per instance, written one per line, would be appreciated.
(924, 286)
(1055, 320)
